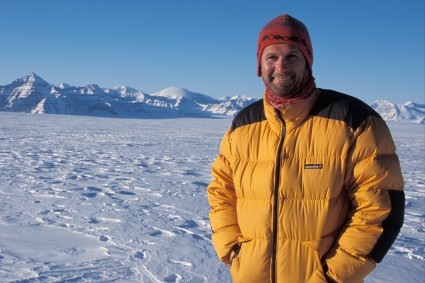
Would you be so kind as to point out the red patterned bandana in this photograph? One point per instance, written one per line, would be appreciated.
(305, 90)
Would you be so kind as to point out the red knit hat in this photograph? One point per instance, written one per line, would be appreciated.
(285, 29)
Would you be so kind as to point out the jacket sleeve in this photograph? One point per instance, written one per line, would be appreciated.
(374, 185)
(222, 199)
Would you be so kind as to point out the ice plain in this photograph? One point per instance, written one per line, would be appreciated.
(86, 199)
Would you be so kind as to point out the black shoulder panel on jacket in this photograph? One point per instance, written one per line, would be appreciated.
(391, 225)
(253, 113)
(339, 106)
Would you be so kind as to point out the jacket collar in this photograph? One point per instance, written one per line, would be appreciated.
(293, 116)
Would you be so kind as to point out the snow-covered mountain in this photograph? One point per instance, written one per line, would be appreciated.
(23, 94)
(34, 95)
(410, 111)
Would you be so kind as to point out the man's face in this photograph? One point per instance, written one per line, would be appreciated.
(282, 68)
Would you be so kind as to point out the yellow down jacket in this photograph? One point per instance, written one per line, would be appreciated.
(312, 193)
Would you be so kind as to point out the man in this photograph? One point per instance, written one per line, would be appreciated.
(307, 186)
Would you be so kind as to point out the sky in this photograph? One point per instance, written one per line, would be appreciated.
(368, 49)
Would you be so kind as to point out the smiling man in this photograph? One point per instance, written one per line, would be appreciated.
(307, 186)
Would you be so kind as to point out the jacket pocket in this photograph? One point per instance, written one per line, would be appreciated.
(235, 253)
(236, 259)
(318, 274)
(318, 277)
(235, 265)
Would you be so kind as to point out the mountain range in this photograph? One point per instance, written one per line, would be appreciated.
(32, 94)
(409, 111)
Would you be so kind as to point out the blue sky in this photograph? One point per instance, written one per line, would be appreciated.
(368, 49)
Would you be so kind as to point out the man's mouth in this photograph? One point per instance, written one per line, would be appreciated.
(282, 78)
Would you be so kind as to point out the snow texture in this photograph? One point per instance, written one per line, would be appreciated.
(87, 199)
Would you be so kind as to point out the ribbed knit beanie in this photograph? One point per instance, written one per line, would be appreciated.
(285, 29)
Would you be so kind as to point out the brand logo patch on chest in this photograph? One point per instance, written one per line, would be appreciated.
(313, 166)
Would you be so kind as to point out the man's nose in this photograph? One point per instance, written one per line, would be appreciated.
(281, 64)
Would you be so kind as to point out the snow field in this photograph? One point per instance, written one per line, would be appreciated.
(86, 199)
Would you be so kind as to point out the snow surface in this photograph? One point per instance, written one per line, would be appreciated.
(86, 199)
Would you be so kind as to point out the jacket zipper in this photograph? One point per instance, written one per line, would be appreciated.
(276, 195)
